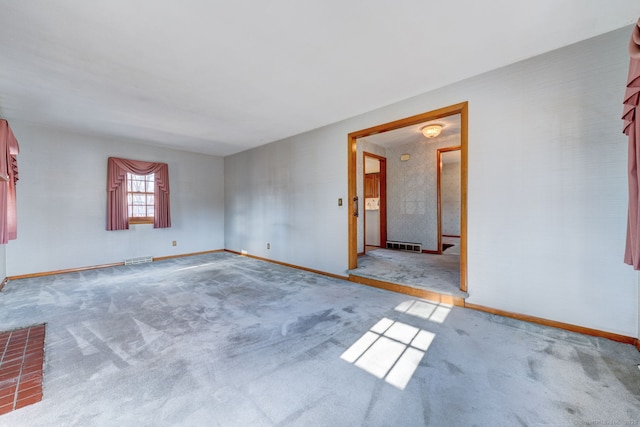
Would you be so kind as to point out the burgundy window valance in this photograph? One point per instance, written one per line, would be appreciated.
(632, 129)
(9, 150)
(117, 209)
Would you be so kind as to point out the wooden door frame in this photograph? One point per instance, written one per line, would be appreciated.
(439, 187)
(383, 198)
(462, 109)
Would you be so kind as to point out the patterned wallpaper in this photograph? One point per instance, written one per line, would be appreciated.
(412, 214)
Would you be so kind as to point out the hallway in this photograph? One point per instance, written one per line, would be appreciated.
(437, 273)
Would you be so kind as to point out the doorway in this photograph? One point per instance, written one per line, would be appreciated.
(354, 207)
(449, 198)
(375, 200)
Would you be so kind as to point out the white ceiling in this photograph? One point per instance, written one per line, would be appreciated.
(411, 134)
(220, 77)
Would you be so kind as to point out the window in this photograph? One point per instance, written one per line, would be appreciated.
(140, 198)
(138, 192)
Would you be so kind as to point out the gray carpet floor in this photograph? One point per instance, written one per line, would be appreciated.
(224, 340)
(438, 273)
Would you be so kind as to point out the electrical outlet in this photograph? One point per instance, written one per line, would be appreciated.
(268, 245)
(174, 243)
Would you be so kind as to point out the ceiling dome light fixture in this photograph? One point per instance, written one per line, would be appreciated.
(431, 131)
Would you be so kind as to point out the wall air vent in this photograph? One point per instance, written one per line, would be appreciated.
(404, 246)
(138, 260)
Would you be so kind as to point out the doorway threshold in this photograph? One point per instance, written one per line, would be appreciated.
(423, 272)
(419, 292)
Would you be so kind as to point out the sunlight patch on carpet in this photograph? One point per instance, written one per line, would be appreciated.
(433, 311)
(390, 350)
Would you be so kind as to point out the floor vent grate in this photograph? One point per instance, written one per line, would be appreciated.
(404, 246)
(139, 260)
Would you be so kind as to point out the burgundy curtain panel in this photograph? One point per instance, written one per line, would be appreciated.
(117, 212)
(9, 171)
(632, 129)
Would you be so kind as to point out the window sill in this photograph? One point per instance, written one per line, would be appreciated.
(141, 221)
